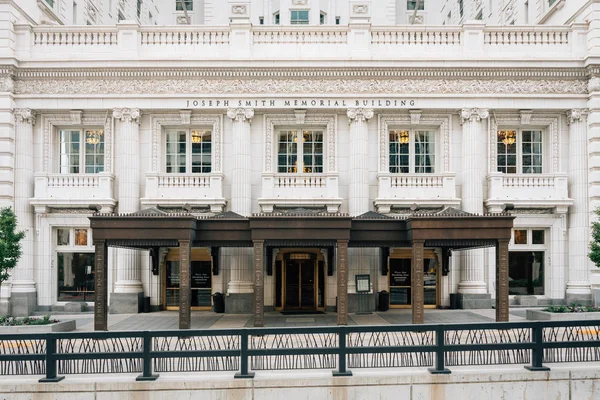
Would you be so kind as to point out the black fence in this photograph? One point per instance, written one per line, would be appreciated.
(338, 348)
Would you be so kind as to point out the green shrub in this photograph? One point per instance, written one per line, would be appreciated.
(13, 321)
(573, 308)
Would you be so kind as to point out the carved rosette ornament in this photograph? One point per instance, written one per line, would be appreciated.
(24, 115)
(127, 114)
(576, 115)
(359, 114)
(473, 114)
(240, 114)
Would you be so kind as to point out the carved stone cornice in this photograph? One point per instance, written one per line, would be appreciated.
(241, 114)
(473, 114)
(359, 114)
(24, 115)
(127, 115)
(576, 115)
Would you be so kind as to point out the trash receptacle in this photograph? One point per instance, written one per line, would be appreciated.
(454, 301)
(219, 303)
(384, 300)
(146, 304)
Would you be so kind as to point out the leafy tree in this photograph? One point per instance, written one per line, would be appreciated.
(594, 253)
(10, 246)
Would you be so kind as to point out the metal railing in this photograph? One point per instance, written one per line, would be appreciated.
(338, 348)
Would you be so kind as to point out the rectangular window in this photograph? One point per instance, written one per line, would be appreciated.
(411, 151)
(322, 18)
(81, 148)
(299, 17)
(276, 18)
(337, 20)
(121, 17)
(479, 15)
(412, 4)
(520, 151)
(461, 7)
(139, 8)
(551, 2)
(188, 151)
(50, 3)
(520, 236)
(189, 5)
(307, 158)
(261, 20)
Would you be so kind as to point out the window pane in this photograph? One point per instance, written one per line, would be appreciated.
(62, 237)
(81, 237)
(399, 148)
(299, 17)
(537, 237)
(424, 152)
(69, 151)
(313, 151)
(75, 276)
(288, 151)
(201, 151)
(94, 151)
(532, 152)
(507, 153)
(526, 273)
(175, 151)
(520, 236)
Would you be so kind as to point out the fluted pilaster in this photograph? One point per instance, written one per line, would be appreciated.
(359, 156)
(127, 135)
(23, 274)
(578, 283)
(241, 279)
(472, 277)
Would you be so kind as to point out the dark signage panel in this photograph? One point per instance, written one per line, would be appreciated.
(399, 271)
(201, 275)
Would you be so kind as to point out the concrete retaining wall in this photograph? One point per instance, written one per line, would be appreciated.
(62, 326)
(565, 381)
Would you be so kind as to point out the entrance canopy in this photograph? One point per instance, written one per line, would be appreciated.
(153, 228)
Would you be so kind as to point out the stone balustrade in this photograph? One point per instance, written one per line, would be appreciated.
(528, 191)
(300, 190)
(175, 190)
(425, 190)
(129, 41)
(73, 191)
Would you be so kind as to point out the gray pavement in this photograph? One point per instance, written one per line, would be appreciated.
(165, 320)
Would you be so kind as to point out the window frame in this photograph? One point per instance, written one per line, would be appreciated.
(299, 21)
(412, 4)
(530, 247)
(434, 131)
(519, 147)
(82, 149)
(188, 151)
(300, 166)
(179, 3)
(70, 248)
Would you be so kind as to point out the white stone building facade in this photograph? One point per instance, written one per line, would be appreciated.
(350, 118)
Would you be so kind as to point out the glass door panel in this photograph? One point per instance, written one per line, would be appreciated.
(201, 283)
(292, 284)
(400, 281)
(172, 277)
(307, 289)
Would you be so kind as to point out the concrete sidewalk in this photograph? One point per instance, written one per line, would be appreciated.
(166, 320)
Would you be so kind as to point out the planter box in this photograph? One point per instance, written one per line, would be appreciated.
(62, 326)
(537, 315)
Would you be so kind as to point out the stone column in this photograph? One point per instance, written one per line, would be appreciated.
(502, 281)
(417, 295)
(23, 298)
(472, 286)
(129, 292)
(578, 284)
(240, 288)
(358, 193)
(100, 286)
(342, 282)
(185, 288)
(259, 284)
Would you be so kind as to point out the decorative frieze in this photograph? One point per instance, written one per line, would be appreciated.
(289, 86)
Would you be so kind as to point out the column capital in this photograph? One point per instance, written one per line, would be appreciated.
(24, 115)
(359, 114)
(241, 114)
(473, 114)
(127, 114)
(576, 115)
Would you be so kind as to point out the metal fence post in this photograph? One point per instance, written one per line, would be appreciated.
(51, 369)
(244, 357)
(147, 360)
(439, 366)
(342, 370)
(537, 352)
